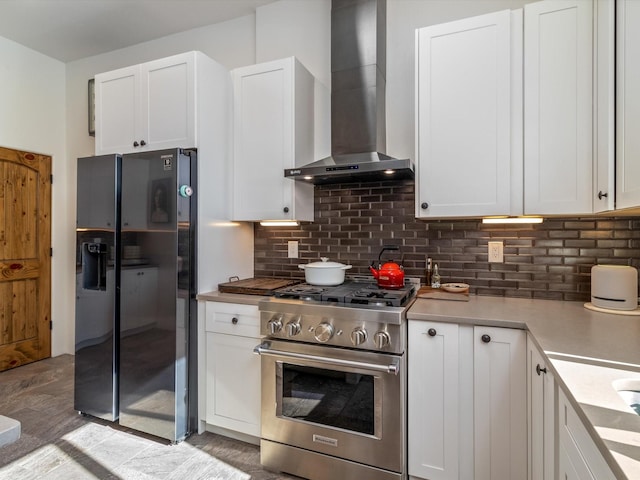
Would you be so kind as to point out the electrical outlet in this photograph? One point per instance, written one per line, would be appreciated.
(292, 249)
(496, 254)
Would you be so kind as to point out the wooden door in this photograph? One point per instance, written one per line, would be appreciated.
(25, 257)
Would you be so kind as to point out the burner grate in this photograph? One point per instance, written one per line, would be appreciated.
(351, 293)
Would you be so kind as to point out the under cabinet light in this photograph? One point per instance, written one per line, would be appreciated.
(512, 220)
(279, 223)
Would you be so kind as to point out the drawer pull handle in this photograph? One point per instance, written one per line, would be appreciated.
(234, 320)
(485, 338)
(540, 370)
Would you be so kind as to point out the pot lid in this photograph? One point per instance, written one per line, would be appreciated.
(324, 263)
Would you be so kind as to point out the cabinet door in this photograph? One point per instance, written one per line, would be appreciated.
(579, 457)
(541, 415)
(233, 383)
(463, 121)
(558, 104)
(500, 413)
(167, 102)
(433, 400)
(266, 141)
(117, 110)
(628, 104)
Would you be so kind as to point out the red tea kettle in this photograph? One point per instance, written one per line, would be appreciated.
(390, 275)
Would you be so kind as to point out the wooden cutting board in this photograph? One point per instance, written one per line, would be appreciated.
(439, 294)
(256, 286)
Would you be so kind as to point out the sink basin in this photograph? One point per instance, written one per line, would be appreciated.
(629, 390)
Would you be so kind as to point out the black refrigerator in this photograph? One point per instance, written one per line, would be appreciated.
(135, 291)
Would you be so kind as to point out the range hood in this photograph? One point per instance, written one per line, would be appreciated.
(358, 81)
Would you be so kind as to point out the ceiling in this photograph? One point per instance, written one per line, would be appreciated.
(68, 30)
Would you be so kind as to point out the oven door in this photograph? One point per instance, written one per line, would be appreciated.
(344, 403)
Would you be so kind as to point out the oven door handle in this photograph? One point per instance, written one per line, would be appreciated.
(393, 368)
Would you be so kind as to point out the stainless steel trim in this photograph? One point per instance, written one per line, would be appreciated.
(393, 368)
(307, 464)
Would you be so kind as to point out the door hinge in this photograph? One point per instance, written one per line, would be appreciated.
(50, 324)
(51, 178)
(51, 252)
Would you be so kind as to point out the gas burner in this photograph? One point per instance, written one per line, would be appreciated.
(302, 291)
(306, 289)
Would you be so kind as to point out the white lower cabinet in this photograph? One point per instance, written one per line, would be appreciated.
(433, 400)
(467, 402)
(232, 370)
(541, 415)
(578, 456)
(499, 402)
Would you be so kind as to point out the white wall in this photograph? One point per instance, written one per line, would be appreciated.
(32, 118)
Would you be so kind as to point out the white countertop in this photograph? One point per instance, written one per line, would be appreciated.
(588, 352)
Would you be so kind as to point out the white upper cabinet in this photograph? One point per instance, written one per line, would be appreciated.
(475, 155)
(149, 106)
(558, 107)
(628, 104)
(273, 130)
(468, 127)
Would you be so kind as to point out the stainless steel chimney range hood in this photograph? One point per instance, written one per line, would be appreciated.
(358, 130)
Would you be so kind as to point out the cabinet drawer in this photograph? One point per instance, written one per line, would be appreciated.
(233, 319)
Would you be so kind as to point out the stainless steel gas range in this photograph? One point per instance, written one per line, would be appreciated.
(334, 380)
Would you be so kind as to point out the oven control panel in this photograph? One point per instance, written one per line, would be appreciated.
(320, 329)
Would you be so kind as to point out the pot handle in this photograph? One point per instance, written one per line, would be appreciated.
(385, 248)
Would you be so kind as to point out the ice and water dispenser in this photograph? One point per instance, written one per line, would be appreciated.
(94, 265)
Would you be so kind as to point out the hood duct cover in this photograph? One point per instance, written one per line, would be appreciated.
(358, 80)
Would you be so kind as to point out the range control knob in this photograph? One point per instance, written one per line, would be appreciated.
(323, 332)
(358, 336)
(381, 339)
(293, 328)
(274, 325)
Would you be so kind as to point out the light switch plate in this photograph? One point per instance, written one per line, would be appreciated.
(292, 249)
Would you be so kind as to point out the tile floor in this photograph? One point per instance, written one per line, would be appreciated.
(58, 443)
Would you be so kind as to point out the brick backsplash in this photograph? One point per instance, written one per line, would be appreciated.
(551, 260)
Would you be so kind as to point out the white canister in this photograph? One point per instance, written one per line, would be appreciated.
(614, 287)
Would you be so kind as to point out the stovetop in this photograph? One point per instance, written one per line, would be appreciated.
(356, 314)
(353, 292)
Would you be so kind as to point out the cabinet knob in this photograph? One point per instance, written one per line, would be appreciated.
(234, 320)
(602, 195)
(285, 209)
(540, 370)
(142, 143)
(432, 332)
(136, 144)
(424, 205)
(485, 338)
